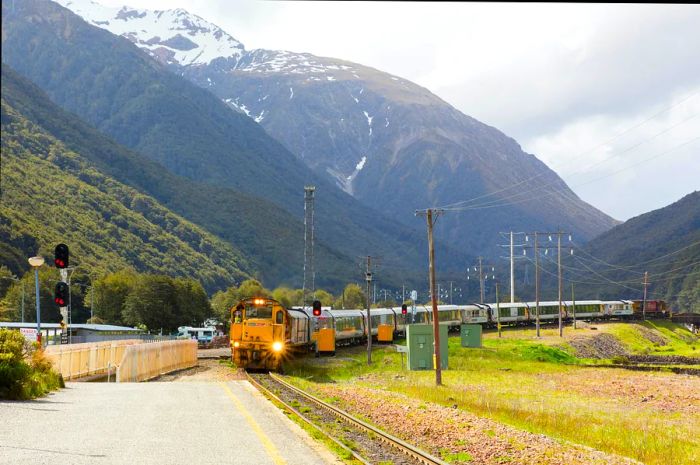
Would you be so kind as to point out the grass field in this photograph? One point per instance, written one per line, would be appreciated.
(540, 386)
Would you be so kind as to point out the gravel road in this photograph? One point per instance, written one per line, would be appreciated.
(199, 422)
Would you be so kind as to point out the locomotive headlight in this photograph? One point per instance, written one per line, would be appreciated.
(236, 344)
(277, 346)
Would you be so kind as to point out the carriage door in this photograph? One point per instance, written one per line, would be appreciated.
(278, 326)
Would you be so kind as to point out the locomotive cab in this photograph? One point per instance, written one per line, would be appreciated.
(258, 336)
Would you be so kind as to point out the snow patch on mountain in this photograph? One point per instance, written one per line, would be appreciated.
(173, 36)
(369, 121)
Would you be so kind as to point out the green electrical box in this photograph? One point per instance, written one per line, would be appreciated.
(419, 339)
(470, 335)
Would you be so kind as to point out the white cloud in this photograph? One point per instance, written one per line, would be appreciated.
(648, 172)
(556, 77)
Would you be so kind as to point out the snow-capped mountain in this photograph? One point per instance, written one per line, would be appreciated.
(385, 140)
(171, 36)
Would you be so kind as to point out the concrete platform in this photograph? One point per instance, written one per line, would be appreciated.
(154, 423)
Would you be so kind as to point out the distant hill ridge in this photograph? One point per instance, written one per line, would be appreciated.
(663, 242)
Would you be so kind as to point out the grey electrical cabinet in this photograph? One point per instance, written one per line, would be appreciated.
(470, 335)
(419, 339)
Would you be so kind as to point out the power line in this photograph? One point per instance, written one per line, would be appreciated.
(550, 193)
(583, 170)
(625, 268)
(512, 186)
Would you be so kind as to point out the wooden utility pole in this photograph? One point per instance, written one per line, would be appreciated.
(512, 271)
(573, 303)
(561, 324)
(498, 311)
(431, 215)
(644, 302)
(368, 277)
(537, 288)
(481, 281)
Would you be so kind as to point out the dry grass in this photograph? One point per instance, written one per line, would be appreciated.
(536, 385)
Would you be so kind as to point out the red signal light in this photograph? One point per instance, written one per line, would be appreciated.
(61, 294)
(61, 255)
(404, 309)
(317, 308)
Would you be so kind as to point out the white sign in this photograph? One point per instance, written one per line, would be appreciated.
(28, 333)
(414, 294)
(402, 349)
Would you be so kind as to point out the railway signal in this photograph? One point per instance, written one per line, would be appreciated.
(404, 309)
(317, 308)
(61, 256)
(61, 294)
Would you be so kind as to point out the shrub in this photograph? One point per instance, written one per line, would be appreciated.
(25, 372)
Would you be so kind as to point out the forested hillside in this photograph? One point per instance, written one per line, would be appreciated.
(265, 240)
(51, 194)
(120, 90)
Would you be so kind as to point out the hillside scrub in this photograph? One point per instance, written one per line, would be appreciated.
(25, 373)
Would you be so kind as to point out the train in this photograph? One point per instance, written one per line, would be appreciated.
(264, 333)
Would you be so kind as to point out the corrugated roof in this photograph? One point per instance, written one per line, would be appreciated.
(91, 327)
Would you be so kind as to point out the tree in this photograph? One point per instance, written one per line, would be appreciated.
(352, 297)
(192, 301)
(11, 305)
(110, 294)
(326, 298)
(221, 303)
(153, 303)
(6, 280)
(252, 288)
(285, 296)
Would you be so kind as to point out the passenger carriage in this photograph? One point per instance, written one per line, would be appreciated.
(618, 308)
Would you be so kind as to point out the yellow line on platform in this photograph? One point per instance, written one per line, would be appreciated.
(269, 446)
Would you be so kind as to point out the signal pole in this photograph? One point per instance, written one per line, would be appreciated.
(437, 361)
(368, 277)
(537, 287)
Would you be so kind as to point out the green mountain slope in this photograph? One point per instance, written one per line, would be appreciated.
(264, 233)
(665, 243)
(114, 86)
(52, 195)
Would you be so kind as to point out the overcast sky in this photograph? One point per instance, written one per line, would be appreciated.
(575, 84)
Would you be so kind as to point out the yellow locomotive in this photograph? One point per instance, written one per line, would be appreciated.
(264, 333)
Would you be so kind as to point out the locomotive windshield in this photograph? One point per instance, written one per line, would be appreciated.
(263, 311)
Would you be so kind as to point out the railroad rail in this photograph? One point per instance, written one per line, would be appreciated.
(369, 444)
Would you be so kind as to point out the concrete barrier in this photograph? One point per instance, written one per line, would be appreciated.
(146, 361)
(128, 359)
(75, 361)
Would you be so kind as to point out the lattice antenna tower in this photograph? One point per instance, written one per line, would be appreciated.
(309, 273)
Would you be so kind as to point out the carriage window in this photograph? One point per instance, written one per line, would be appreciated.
(280, 318)
(258, 312)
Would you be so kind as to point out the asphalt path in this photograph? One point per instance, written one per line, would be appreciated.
(154, 423)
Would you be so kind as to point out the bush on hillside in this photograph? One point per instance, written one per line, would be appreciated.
(25, 373)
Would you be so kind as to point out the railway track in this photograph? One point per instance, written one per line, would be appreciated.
(369, 445)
